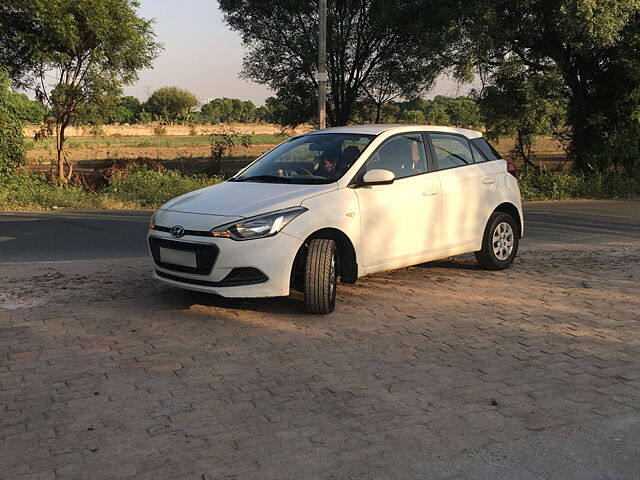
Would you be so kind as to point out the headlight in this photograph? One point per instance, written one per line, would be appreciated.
(261, 226)
(152, 222)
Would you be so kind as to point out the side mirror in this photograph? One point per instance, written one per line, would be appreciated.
(378, 177)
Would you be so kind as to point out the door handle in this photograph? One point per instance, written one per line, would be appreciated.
(488, 181)
(429, 193)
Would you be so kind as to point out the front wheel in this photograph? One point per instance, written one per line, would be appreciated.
(499, 242)
(320, 276)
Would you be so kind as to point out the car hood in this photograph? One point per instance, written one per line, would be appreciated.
(244, 199)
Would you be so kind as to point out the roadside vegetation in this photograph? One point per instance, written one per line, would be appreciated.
(140, 187)
(143, 187)
(563, 184)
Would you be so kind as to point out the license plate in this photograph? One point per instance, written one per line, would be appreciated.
(178, 257)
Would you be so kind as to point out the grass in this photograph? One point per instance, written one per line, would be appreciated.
(141, 142)
(561, 184)
(150, 188)
(33, 192)
(137, 188)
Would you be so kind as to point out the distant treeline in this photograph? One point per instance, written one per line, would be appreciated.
(171, 105)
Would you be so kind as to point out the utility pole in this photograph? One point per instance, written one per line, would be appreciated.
(322, 66)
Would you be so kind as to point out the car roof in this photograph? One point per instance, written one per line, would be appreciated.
(377, 129)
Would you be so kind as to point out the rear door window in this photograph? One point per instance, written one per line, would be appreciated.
(451, 150)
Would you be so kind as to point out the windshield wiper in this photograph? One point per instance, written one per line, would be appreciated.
(264, 178)
(313, 180)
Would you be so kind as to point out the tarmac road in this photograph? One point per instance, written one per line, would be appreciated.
(83, 235)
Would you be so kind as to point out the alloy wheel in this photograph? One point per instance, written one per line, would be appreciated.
(502, 241)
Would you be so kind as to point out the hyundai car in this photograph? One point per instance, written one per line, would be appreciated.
(334, 205)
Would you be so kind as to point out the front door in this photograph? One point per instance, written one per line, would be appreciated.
(401, 220)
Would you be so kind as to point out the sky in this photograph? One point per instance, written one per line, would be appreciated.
(204, 56)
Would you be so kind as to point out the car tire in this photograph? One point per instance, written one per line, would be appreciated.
(320, 276)
(499, 242)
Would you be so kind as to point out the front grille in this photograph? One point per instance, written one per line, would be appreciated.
(195, 233)
(206, 255)
(236, 277)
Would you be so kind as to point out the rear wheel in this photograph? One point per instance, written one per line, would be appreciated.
(499, 242)
(320, 276)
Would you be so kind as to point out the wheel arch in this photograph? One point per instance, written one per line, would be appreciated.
(510, 209)
(347, 261)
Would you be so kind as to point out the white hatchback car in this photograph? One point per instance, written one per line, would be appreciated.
(341, 203)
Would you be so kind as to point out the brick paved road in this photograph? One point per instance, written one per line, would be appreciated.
(439, 371)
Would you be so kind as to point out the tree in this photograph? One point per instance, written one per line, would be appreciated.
(228, 110)
(393, 78)
(28, 111)
(171, 104)
(217, 110)
(366, 111)
(11, 135)
(283, 112)
(363, 39)
(222, 108)
(90, 48)
(412, 116)
(462, 111)
(433, 112)
(593, 45)
(224, 143)
(523, 104)
(247, 112)
(436, 114)
(127, 110)
(17, 20)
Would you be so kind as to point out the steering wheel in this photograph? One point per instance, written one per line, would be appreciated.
(302, 170)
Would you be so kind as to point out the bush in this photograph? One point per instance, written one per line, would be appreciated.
(136, 188)
(151, 188)
(559, 184)
(159, 131)
(33, 192)
(11, 136)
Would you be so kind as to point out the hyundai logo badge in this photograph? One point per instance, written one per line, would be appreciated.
(177, 231)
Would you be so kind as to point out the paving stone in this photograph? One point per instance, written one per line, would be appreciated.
(415, 367)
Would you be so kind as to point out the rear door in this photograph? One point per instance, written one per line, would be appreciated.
(468, 184)
(400, 220)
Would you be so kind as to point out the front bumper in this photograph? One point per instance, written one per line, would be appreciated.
(251, 268)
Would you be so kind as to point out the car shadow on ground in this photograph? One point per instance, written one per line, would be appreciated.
(462, 262)
(291, 305)
(294, 303)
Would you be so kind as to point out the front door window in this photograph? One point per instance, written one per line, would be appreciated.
(404, 155)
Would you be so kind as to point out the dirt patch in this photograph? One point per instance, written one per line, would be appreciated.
(89, 162)
(45, 156)
(75, 282)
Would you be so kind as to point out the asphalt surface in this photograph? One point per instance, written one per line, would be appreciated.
(84, 235)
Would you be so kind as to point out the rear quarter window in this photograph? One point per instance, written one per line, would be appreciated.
(486, 148)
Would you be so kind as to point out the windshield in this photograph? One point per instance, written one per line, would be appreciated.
(312, 158)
